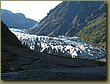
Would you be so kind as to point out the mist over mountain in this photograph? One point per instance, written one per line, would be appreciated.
(68, 18)
(16, 20)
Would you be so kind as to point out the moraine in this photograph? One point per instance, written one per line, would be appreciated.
(67, 46)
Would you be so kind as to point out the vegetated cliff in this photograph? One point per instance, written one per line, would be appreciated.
(95, 32)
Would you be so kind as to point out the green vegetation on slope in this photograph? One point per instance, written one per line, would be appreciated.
(95, 32)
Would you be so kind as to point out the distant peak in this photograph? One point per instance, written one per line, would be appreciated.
(5, 10)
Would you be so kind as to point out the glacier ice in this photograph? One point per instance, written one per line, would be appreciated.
(66, 46)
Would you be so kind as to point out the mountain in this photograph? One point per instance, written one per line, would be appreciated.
(69, 17)
(90, 12)
(50, 57)
(95, 32)
(8, 38)
(16, 20)
(8, 41)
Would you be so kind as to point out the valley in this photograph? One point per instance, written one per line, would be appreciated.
(67, 44)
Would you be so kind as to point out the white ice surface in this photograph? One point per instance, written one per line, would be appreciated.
(66, 46)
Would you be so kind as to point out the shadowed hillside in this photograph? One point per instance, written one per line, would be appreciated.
(8, 38)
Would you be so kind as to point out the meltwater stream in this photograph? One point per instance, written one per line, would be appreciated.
(62, 45)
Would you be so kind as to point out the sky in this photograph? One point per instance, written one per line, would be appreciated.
(36, 10)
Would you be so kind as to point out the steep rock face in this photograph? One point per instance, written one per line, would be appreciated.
(68, 18)
(16, 20)
(8, 38)
(91, 12)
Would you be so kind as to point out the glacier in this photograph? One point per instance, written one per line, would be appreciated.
(72, 47)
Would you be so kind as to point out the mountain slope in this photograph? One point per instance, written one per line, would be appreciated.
(95, 32)
(16, 20)
(91, 12)
(8, 38)
(68, 18)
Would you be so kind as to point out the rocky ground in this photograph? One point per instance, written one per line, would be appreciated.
(26, 64)
(92, 73)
